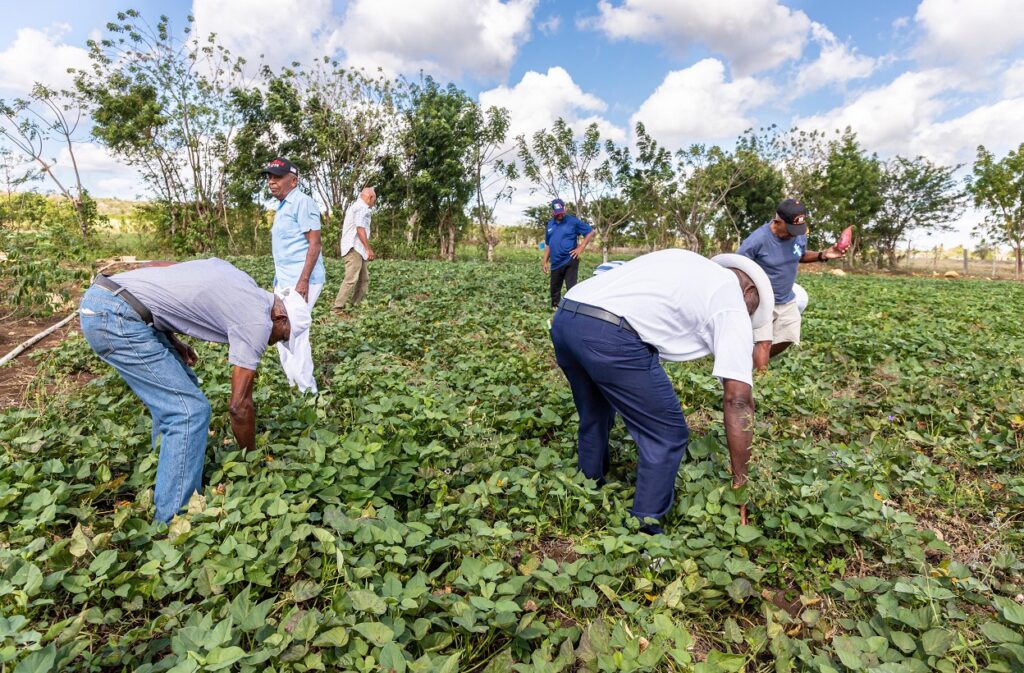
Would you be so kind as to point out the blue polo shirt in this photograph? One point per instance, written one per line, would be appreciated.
(296, 214)
(562, 237)
(779, 259)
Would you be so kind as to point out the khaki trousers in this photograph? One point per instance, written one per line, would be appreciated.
(357, 279)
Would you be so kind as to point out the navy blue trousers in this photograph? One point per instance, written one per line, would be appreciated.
(611, 370)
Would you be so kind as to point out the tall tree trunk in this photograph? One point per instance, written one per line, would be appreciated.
(451, 240)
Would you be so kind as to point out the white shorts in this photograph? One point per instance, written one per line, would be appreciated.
(784, 327)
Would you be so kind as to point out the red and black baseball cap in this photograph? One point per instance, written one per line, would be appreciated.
(794, 214)
(280, 166)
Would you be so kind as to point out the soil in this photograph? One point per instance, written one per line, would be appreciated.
(16, 375)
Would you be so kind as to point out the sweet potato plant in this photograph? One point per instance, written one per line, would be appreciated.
(424, 513)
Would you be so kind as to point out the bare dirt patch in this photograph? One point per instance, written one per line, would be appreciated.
(560, 550)
(17, 375)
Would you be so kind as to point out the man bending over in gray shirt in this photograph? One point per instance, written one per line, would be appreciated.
(132, 320)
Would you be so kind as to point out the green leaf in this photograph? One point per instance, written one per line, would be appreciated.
(367, 601)
(1011, 611)
(40, 661)
(848, 652)
(998, 633)
(392, 658)
(903, 641)
(936, 642)
(375, 632)
(303, 590)
(335, 637)
(247, 616)
(222, 657)
(80, 542)
(507, 606)
(747, 534)
(102, 563)
(725, 663)
(739, 589)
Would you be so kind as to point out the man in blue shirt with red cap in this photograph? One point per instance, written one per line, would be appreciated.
(562, 249)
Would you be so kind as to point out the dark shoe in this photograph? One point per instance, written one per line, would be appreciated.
(652, 529)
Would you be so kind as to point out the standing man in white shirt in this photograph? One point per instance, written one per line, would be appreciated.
(356, 251)
(612, 331)
(298, 264)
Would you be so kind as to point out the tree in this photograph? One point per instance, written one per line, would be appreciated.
(49, 115)
(335, 124)
(701, 193)
(439, 134)
(652, 190)
(849, 191)
(560, 165)
(917, 195)
(163, 105)
(610, 208)
(998, 187)
(493, 173)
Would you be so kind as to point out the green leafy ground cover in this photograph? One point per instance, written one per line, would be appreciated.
(424, 513)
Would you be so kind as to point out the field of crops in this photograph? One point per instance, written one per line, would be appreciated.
(424, 513)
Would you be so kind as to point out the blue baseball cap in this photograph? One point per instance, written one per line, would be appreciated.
(558, 207)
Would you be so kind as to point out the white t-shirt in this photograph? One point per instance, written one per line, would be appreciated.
(683, 304)
(357, 215)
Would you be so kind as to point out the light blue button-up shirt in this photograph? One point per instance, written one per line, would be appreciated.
(296, 214)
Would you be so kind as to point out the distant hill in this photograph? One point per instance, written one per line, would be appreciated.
(117, 207)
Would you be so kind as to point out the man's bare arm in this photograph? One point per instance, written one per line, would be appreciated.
(738, 408)
(241, 407)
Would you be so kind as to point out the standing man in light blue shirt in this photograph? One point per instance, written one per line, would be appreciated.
(298, 264)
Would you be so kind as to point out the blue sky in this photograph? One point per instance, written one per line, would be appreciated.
(930, 77)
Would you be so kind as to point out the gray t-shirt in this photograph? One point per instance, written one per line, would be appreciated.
(207, 299)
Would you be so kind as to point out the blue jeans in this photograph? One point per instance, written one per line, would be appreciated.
(150, 365)
(611, 370)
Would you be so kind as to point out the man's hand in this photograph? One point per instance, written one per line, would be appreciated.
(544, 266)
(743, 507)
(187, 353)
(833, 253)
(578, 250)
(302, 287)
(370, 256)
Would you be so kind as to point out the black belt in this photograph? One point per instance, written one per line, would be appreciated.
(595, 312)
(118, 291)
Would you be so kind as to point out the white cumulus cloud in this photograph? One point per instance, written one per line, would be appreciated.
(538, 99)
(885, 118)
(969, 31)
(282, 31)
(698, 104)
(999, 127)
(1013, 80)
(837, 63)
(445, 38)
(39, 56)
(536, 102)
(754, 35)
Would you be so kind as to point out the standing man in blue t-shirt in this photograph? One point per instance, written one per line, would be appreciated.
(779, 247)
(562, 249)
(298, 264)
